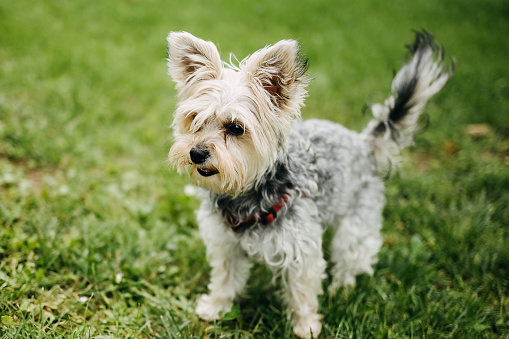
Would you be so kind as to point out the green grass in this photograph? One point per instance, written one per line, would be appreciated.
(98, 239)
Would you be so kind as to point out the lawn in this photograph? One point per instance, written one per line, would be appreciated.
(98, 238)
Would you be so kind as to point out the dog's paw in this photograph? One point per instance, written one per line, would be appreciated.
(210, 308)
(346, 281)
(308, 326)
(346, 278)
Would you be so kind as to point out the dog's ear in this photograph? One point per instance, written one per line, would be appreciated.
(280, 70)
(191, 59)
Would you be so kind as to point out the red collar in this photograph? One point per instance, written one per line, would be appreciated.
(263, 217)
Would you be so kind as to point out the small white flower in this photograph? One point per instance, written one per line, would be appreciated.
(63, 190)
(118, 277)
(189, 190)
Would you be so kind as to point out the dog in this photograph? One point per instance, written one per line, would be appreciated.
(272, 183)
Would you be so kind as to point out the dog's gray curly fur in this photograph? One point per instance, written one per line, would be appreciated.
(326, 163)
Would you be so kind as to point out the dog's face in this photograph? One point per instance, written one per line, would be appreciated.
(232, 123)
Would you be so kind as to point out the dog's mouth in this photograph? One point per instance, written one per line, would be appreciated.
(207, 172)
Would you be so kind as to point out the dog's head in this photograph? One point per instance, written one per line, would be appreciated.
(232, 122)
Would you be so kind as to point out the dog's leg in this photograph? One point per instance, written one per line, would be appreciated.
(302, 282)
(357, 238)
(230, 267)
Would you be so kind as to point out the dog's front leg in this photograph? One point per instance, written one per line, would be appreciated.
(302, 281)
(230, 270)
(230, 267)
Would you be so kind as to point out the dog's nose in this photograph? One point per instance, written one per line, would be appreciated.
(198, 155)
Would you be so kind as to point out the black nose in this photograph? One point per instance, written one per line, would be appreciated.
(198, 155)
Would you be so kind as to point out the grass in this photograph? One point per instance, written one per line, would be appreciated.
(98, 239)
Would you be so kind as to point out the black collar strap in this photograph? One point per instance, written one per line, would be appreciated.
(264, 218)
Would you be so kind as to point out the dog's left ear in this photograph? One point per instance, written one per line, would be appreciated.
(191, 59)
(280, 70)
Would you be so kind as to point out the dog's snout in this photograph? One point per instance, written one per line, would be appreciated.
(198, 155)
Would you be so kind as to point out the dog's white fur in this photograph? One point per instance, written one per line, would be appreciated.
(248, 151)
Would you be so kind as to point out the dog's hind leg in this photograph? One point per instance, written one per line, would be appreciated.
(357, 239)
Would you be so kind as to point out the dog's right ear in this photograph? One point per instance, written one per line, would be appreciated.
(191, 59)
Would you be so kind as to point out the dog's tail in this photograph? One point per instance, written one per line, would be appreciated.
(396, 120)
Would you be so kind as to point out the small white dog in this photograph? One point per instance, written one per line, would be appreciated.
(272, 183)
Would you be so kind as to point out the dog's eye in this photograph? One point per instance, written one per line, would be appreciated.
(234, 129)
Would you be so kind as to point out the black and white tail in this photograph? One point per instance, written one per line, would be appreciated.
(396, 120)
